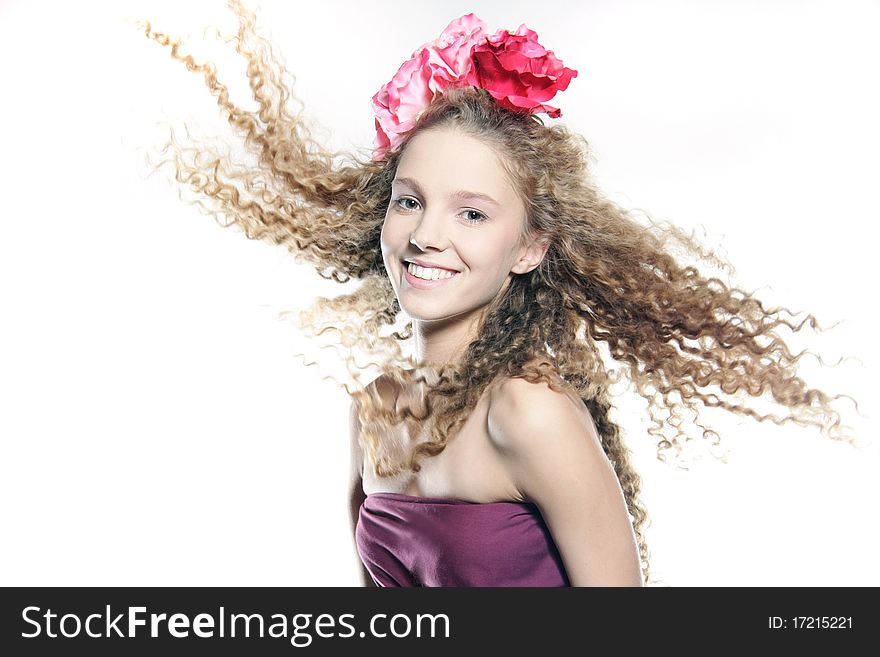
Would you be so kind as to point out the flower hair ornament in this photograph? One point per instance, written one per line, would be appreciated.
(512, 67)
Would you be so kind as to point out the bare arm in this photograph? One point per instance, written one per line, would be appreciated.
(356, 487)
(550, 444)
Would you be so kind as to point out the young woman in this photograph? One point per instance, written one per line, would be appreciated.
(487, 457)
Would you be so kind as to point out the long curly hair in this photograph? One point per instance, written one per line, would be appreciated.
(608, 289)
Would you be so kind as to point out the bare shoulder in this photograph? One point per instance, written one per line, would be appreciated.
(379, 389)
(548, 443)
(382, 391)
(385, 390)
(520, 410)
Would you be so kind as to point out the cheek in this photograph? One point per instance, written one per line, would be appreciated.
(389, 237)
(491, 255)
(393, 229)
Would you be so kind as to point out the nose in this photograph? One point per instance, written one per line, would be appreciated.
(430, 232)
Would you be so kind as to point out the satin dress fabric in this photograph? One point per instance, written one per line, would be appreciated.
(406, 540)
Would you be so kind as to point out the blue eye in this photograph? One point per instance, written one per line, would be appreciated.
(480, 215)
(400, 204)
(403, 199)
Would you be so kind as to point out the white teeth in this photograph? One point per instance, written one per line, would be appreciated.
(428, 273)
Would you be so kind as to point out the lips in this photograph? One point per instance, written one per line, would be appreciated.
(424, 284)
(423, 263)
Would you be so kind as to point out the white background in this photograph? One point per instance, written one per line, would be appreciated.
(156, 429)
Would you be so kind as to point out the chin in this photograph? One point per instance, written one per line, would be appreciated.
(425, 311)
(421, 313)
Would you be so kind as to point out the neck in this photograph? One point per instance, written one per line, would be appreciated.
(443, 341)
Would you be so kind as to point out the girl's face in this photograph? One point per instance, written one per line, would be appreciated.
(452, 207)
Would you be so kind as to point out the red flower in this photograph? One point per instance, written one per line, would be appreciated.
(518, 72)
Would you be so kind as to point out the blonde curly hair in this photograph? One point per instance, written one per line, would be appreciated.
(606, 280)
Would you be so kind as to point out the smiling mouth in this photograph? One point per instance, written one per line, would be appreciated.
(444, 272)
(417, 281)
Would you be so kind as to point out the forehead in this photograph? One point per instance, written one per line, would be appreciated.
(446, 159)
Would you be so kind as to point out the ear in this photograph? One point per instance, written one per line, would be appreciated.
(532, 255)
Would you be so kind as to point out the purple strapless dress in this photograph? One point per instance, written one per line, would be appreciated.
(405, 540)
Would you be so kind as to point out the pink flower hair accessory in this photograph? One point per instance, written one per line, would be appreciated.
(513, 68)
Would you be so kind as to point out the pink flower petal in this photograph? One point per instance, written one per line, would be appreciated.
(514, 68)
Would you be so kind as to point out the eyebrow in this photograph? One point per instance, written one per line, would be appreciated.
(461, 193)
